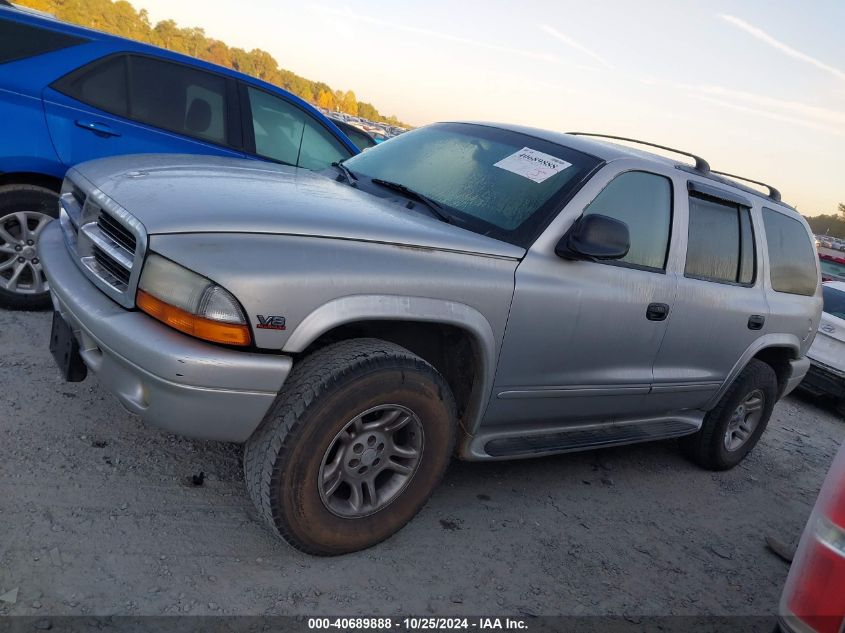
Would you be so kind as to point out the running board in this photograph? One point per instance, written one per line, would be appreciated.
(515, 441)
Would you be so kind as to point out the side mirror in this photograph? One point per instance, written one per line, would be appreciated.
(595, 236)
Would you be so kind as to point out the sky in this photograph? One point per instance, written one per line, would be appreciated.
(756, 87)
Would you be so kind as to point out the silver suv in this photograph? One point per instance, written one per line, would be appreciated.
(487, 291)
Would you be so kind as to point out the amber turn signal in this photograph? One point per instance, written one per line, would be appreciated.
(214, 331)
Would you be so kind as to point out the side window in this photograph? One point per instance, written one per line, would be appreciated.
(721, 242)
(178, 98)
(792, 258)
(19, 41)
(643, 201)
(101, 84)
(285, 133)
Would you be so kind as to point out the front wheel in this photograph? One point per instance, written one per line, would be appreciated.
(735, 425)
(24, 212)
(358, 439)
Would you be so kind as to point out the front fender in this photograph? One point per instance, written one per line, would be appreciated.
(356, 308)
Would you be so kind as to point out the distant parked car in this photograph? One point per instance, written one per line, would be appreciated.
(813, 599)
(832, 267)
(827, 354)
(826, 241)
(361, 139)
(69, 94)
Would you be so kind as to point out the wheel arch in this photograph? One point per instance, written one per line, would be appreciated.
(453, 337)
(31, 178)
(776, 350)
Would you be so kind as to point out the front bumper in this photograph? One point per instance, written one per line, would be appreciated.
(824, 380)
(169, 379)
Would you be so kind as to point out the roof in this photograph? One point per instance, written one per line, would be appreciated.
(609, 151)
(836, 285)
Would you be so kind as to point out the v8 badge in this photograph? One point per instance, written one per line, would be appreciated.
(270, 322)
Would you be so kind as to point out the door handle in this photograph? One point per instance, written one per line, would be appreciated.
(100, 129)
(756, 322)
(657, 311)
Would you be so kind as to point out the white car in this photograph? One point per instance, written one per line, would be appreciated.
(827, 354)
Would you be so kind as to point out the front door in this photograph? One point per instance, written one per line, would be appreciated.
(582, 336)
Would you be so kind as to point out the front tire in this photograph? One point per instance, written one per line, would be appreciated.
(357, 440)
(735, 425)
(24, 212)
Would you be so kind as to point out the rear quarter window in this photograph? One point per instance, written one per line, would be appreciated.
(792, 258)
(19, 40)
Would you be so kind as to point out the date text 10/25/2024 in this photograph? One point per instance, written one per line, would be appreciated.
(417, 624)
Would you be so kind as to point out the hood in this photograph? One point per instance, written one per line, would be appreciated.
(171, 193)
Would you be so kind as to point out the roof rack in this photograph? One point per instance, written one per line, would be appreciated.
(700, 164)
(774, 194)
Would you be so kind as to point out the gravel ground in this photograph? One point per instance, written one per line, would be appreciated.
(97, 516)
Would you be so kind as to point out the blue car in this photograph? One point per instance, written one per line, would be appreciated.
(69, 94)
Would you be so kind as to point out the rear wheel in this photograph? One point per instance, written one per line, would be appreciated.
(358, 439)
(735, 425)
(24, 212)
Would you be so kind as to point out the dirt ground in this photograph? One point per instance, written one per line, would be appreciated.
(97, 517)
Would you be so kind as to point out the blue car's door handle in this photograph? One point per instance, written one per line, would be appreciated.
(100, 129)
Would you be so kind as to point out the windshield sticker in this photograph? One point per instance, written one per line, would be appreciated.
(531, 164)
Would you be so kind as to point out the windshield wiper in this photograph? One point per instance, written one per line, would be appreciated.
(436, 207)
(347, 173)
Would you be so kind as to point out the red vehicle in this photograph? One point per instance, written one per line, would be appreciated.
(813, 599)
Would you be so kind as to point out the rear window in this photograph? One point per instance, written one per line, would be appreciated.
(101, 84)
(834, 301)
(720, 246)
(792, 258)
(831, 267)
(19, 41)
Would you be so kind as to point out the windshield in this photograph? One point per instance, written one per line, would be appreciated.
(834, 301)
(493, 181)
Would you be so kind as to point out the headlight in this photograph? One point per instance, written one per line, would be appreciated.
(190, 303)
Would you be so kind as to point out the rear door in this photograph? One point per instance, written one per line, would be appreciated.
(721, 307)
(126, 104)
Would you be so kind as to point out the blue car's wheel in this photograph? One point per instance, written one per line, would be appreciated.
(24, 212)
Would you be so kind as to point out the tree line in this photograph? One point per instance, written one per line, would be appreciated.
(829, 224)
(120, 18)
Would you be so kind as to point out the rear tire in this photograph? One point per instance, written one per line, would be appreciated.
(735, 425)
(24, 212)
(326, 471)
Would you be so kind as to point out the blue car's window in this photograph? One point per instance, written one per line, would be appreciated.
(285, 133)
(163, 94)
(178, 98)
(101, 84)
(19, 41)
(483, 176)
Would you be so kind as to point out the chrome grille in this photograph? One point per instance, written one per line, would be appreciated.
(117, 232)
(108, 242)
(115, 273)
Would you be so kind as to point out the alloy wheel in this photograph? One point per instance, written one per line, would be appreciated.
(371, 460)
(20, 268)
